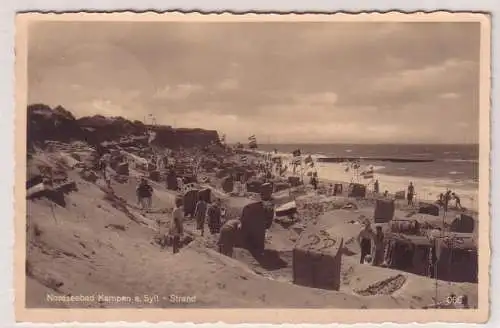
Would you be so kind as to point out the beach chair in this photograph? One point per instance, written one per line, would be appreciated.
(317, 258)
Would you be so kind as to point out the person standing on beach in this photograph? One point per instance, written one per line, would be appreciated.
(314, 181)
(214, 217)
(376, 187)
(177, 225)
(365, 238)
(144, 194)
(410, 194)
(200, 213)
(457, 201)
(378, 241)
(103, 165)
(447, 198)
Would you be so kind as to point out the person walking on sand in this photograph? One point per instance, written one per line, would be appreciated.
(177, 225)
(314, 181)
(457, 201)
(410, 194)
(103, 165)
(200, 213)
(376, 187)
(365, 238)
(164, 223)
(144, 194)
(214, 217)
(227, 237)
(378, 243)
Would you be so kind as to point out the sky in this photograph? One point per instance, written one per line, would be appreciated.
(323, 82)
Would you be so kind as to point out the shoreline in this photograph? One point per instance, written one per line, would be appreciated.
(424, 195)
(427, 189)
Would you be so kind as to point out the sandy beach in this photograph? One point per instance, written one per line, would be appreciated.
(92, 242)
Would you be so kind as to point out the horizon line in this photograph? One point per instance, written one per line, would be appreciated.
(360, 143)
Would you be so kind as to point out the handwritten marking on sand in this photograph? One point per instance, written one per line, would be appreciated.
(384, 287)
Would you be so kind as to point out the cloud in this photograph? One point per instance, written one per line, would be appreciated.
(449, 95)
(344, 82)
(181, 91)
(320, 98)
(228, 84)
(449, 72)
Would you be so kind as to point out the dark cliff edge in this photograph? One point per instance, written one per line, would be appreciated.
(58, 124)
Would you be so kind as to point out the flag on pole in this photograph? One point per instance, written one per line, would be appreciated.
(252, 142)
(309, 161)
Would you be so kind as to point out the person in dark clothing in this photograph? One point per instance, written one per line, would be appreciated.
(378, 241)
(144, 194)
(214, 218)
(376, 187)
(410, 194)
(227, 237)
(103, 165)
(441, 199)
(365, 238)
(314, 181)
(457, 200)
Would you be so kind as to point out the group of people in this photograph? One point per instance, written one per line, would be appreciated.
(213, 212)
(445, 198)
(173, 229)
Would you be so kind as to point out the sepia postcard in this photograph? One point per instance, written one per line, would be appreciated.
(312, 168)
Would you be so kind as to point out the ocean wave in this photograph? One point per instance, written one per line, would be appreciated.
(377, 167)
(460, 160)
(455, 172)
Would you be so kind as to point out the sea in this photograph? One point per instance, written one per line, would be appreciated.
(454, 167)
